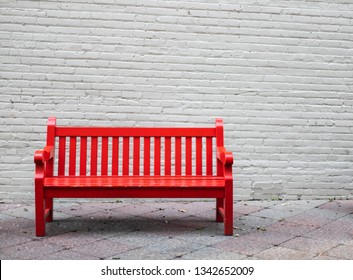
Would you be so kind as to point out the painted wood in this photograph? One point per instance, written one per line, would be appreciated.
(94, 155)
(188, 156)
(168, 156)
(83, 156)
(189, 144)
(126, 155)
(115, 156)
(147, 156)
(62, 156)
(136, 155)
(104, 158)
(157, 156)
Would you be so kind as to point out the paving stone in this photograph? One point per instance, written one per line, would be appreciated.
(310, 245)
(308, 220)
(69, 255)
(210, 253)
(325, 257)
(174, 247)
(7, 206)
(245, 208)
(324, 213)
(342, 251)
(194, 208)
(206, 216)
(11, 239)
(104, 248)
(139, 238)
(195, 223)
(202, 238)
(245, 245)
(344, 206)
(142, 254)
(271, 237)
(340, 225)
(324, 234)
(275, 214)
(28, 212)
(5, 257)
(263, 203)
(251, 223)
(298, 204)
(281, 253)
(136, 209)
(31, 250)
(83, 209)
(290, 228)
(73, 239)
(4, 217)
(166, 214)
(92, 224)
(15, 224)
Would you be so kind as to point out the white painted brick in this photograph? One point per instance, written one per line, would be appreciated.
(278, 73)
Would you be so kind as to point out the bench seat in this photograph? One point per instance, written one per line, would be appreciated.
(135, 181)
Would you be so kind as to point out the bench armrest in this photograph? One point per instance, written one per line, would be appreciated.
(225, 157)
(42, 156)
(224, 164)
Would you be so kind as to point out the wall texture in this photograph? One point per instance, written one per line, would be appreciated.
(280, 74)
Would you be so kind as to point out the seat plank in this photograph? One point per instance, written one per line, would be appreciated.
(137, 181)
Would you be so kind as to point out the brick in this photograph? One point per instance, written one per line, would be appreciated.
(280, 253)
(279, 76)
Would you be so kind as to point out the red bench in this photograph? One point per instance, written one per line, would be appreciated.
(132, 162)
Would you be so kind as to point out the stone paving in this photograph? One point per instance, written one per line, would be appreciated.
(315, 229)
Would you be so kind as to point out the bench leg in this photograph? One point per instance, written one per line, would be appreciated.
(228, 211)
(219, 205)
(40, 212)
(49, 206)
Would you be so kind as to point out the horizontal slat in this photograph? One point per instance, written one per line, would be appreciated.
(135, 131)
(135, 192)
(137, 181)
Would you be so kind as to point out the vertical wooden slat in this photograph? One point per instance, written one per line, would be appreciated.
(147, 156)
(115, 156)
(83, 156)
(72, 158)
(188, 156)
(50, 142)
(126, 155)
(198, 156)
(62, 155)
(178, 156)
(168, 157)
(219, 143)
(94, 154)
(104, 159)
(136, 162)
(157, 156)
(209, 158)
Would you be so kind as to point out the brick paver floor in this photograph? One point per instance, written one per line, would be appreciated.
(315, 229)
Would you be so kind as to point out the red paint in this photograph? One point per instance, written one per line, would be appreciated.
(174, 175)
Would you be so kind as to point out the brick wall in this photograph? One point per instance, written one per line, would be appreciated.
(280, 74)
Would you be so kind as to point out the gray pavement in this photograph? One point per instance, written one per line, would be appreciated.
(134, 229)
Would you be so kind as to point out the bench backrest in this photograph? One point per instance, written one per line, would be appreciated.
(134, 151)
